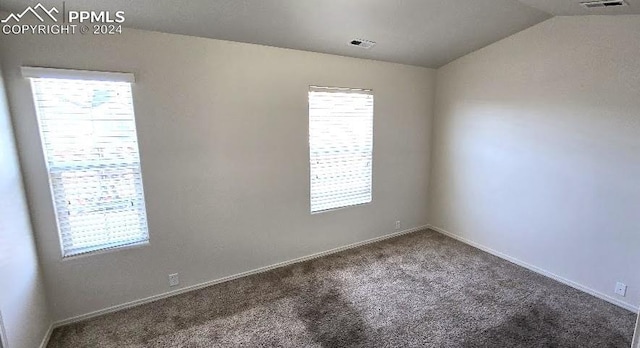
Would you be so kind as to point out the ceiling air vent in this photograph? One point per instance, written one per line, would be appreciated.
(366, 44)
(603, 4)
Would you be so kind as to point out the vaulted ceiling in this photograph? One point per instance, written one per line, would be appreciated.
(427, 33)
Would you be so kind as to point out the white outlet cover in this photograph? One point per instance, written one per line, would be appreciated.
(621, 289)
(173, 279)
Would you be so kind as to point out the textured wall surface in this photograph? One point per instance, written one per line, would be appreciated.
(223, 134)
(536, 150)
(23, 306)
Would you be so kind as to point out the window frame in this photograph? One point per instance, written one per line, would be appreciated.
(369, 91)
(31, 73)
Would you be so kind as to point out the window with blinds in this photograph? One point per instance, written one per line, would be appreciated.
(89, 138)
(340, 147)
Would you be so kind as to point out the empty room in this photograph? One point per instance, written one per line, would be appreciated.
(306, 173)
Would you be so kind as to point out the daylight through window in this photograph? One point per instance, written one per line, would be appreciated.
(90, 145)
(340, 147)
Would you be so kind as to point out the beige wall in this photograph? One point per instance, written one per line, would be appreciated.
(224, 146)
(23, 305)
(536, 150)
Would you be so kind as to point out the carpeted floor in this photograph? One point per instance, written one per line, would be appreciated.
(417, 290)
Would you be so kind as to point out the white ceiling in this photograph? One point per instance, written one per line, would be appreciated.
(427, 33)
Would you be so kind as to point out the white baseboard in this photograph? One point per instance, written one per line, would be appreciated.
(229, 278)
(636, 335)
(47, 336)
(538, 270)
(3, 333)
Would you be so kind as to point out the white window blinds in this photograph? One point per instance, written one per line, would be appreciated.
(340, 147)
(89, 139)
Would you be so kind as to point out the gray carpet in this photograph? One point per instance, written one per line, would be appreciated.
(417, 290)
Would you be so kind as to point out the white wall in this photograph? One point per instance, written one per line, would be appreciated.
(224, 146)
(23, 305)
(536, 150)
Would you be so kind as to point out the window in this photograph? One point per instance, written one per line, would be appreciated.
(88, 133)
(340, 147)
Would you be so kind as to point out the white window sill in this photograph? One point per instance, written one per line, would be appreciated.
(106, 251)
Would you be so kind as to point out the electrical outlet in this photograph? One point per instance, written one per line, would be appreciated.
(173, 279)
(398, 225)
(621, 289)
